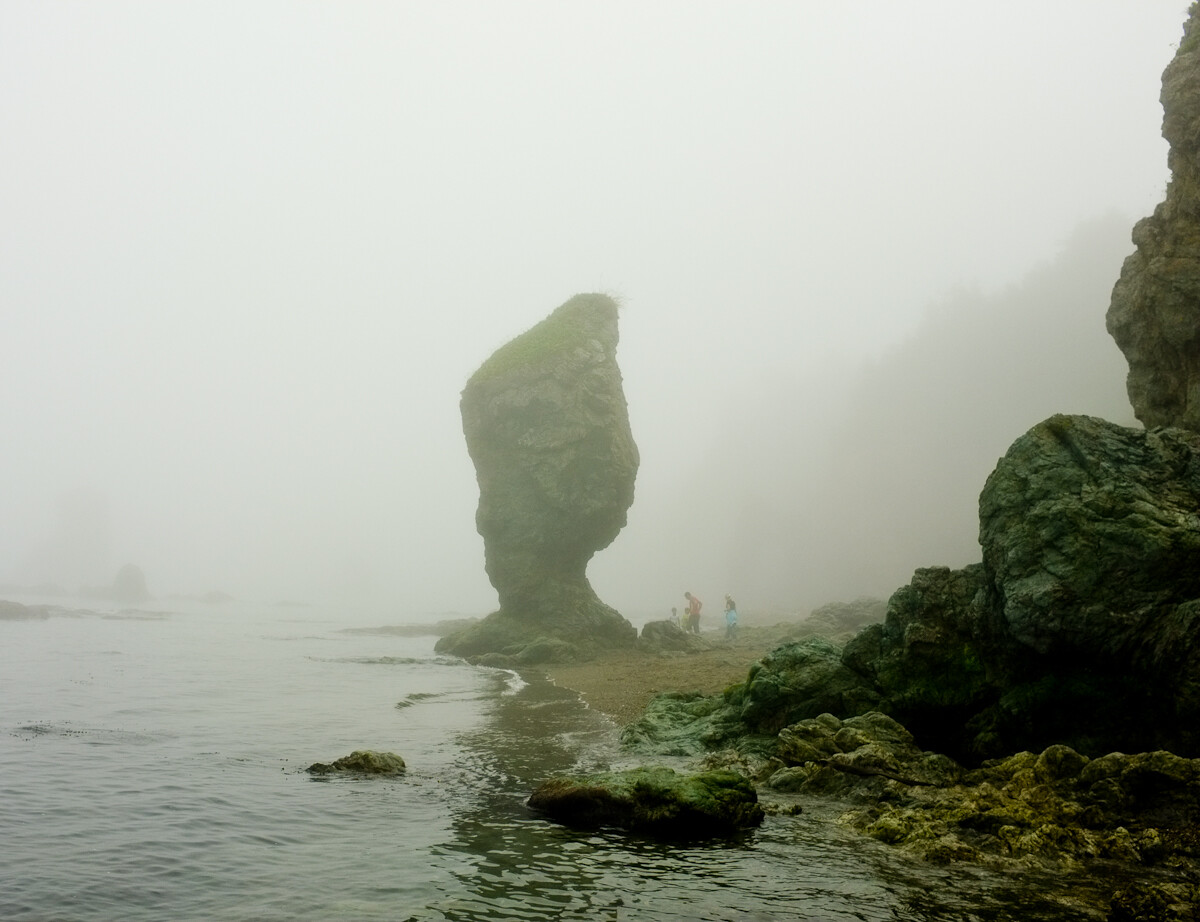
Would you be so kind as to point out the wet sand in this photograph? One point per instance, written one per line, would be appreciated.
(622, 684)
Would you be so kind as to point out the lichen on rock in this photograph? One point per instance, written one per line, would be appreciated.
(547, 427)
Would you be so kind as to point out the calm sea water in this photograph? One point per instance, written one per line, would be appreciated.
(151, 767)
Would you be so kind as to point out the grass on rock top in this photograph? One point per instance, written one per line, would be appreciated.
(558, 333)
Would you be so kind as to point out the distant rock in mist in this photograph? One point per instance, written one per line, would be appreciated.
(130, 585)
(1154, 315)
(837, 618)
(547, 427)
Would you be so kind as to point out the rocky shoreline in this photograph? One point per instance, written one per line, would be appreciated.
(1039, 705)
(1139, 812)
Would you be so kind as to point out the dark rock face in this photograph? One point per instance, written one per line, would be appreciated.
(547, 428)
(1154, 315)
(1089, 531)
(926, 660)
(1080, 624)
(655, 801)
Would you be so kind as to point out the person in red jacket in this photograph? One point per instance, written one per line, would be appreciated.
(693, 613)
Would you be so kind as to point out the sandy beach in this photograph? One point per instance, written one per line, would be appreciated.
(622, 684)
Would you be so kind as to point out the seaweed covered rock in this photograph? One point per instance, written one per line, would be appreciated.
(658, 801)
(547, 427)
(1154, 314)
(362, 762)
(1141, 808)
(1155, 901)
(829, 756)
(800, 680)
(685, 724)
(792, 682)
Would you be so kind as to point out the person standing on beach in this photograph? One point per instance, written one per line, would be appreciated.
(693, 612)
(731, 618)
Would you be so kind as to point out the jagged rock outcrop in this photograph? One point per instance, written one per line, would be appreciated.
(1079, 626)
(547, 428)
(1154, 315)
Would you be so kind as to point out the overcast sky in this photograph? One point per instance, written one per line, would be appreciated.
(250, 253)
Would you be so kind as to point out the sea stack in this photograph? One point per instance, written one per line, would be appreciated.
(547, 427)
(1154, 315)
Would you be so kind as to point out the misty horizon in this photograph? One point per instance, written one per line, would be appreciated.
(253, 253)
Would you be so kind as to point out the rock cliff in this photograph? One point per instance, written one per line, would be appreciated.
(1079, 624)
(547, 427)
(1154, 315)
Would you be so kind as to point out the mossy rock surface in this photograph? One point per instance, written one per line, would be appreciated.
(362, 762)
(657, 801)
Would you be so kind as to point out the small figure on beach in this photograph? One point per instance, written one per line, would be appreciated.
(731, 618)
(693, 613)
(675, 616)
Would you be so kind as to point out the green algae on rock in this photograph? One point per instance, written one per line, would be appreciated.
(657, 801)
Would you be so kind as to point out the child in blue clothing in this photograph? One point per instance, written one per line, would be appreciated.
(731, 618)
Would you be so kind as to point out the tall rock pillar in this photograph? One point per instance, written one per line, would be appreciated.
(547, 427)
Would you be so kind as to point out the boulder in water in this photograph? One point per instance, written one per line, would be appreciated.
(652, 800)
(362, 762)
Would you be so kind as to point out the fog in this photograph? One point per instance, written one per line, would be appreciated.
(251, 252)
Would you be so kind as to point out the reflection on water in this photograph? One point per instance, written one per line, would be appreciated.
(516, 865)
(154, 769)
(511, 864)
